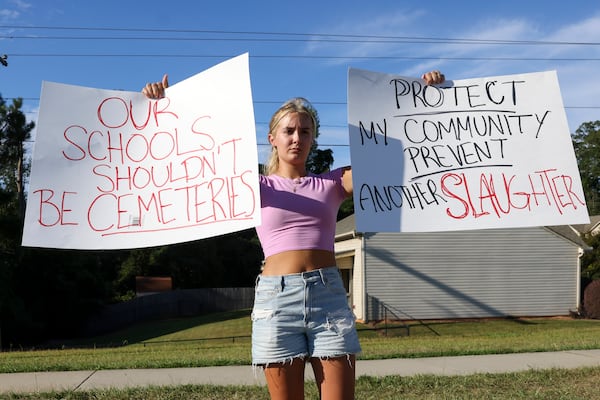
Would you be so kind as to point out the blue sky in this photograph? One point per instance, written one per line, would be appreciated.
(299, 48)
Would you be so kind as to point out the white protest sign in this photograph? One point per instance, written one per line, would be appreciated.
(114, 169)
(466, 154)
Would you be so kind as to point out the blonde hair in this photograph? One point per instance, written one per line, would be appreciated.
(295, 105)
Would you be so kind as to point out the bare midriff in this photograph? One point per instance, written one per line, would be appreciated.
(296, 261)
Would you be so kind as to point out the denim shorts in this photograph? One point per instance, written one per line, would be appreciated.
(302, 315)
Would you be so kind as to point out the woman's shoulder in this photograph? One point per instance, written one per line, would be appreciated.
(334, 173)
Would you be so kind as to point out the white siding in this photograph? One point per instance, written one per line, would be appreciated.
(352, 248)
(468, 274)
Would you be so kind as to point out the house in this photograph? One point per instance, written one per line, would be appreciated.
(147, 285)
(593, 228)
(464, 274)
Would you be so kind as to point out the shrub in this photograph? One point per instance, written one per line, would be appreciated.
(591, 300)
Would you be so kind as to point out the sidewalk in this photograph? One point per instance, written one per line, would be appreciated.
(244, 375)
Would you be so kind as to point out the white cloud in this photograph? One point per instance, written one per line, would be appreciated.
(378, 28)
(13, 13)
(585, 31)
(6, 14)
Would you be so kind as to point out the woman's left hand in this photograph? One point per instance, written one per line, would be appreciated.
(433, 77)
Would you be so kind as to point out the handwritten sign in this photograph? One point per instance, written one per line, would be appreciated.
(468, 154)
(114, 169)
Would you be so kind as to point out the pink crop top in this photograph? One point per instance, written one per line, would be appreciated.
(299, 214)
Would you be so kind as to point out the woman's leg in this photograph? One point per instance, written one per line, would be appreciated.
(286, 380)
(335, 377)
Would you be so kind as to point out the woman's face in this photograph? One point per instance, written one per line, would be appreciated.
(293, 138)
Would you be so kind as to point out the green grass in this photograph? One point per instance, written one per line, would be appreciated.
(190, 343)
(547, 385)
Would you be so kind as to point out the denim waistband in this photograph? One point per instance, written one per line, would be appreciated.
(323, 274)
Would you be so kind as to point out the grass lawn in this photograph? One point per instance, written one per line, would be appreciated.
(547, 385)
(191, 342)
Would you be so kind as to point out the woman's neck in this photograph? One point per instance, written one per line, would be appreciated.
(291, 172)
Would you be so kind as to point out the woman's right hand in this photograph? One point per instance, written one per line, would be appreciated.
(156, 90)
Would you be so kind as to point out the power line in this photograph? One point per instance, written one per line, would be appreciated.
(308, 35)
(310, 57)
(287, 37)
(335, 103)
(311, 39)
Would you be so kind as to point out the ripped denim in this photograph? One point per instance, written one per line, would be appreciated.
(302, 316)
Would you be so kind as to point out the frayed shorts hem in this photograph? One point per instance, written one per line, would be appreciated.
(287, 360)
(304, 357)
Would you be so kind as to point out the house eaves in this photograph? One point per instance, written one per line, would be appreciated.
(587, 228)
(571, 234)
(345, 228)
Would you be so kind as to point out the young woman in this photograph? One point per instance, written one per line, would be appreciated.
(300, 310)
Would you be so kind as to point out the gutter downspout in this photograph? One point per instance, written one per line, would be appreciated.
(364, 278)
(578, 281)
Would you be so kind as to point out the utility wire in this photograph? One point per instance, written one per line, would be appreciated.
(345, 57)
(310, 36)
(262, 36)
(335, 103)
(312, 39)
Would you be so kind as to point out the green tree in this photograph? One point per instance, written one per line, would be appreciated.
(586, 142)
(231, 260)
(319, 160)
(43, 292)
(14, 132)
(590, 261)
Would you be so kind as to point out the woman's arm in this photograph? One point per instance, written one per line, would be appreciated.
(347, 180)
